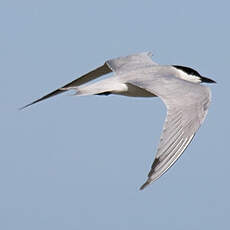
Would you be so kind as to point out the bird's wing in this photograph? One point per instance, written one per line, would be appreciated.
(186, 110)
(131, 62)
(117, 65)
(102, 70)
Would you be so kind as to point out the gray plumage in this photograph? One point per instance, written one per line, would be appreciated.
(178, 87)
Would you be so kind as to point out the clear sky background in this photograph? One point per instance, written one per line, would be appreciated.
(77, 162)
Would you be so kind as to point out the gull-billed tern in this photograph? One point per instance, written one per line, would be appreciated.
(177, 86)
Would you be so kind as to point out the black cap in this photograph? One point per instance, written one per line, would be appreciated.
(191, 71)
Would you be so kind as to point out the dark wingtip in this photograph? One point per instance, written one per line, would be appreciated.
(40, 99)
(58, 91)
(144, 185)
(25, 106)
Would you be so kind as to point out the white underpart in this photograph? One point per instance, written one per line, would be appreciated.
(111, 85)
(119, 88)
(188, 77)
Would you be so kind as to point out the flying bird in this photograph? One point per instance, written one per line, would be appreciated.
(137, 75)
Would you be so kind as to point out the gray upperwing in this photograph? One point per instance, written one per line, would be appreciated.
(185, 114)
(184, 117)
(102, 70)
(131, 62)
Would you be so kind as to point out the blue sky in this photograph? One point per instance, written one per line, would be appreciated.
(77, 162)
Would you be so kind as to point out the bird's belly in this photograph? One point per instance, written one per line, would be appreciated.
(134, 91)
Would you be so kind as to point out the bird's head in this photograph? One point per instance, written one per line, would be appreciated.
(191, 75)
